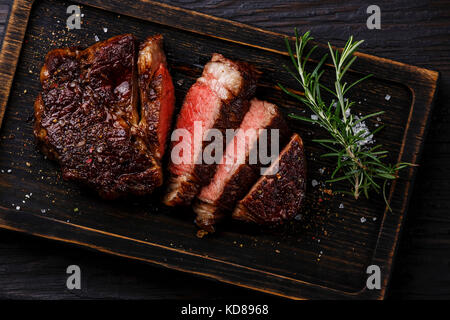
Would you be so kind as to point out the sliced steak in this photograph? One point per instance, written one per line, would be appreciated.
(235, 175)
(277, 197)
(157, 94)
(86, 118)
(218, 100)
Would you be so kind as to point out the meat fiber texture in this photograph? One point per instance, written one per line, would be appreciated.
(278, 196)
(157, 94)
(236, 173)
(87, 118)
(219, 100)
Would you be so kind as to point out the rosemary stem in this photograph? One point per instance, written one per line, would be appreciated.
(359, 164)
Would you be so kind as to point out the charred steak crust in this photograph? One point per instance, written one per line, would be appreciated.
(183, 188)
(278, 197)
(210, 213)
(86, 118)
(157, 94)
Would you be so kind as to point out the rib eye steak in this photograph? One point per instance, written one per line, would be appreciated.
(218, 100)
(87, 118)
(278, 195)
(236, 173)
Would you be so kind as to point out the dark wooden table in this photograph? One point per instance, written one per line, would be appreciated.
(412, 31)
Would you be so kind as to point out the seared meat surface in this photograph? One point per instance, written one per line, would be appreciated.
(218, 100)
(86, 118)
(278, 196)
(235, 175)
(157, 94)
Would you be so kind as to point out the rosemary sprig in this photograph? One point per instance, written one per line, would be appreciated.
(360, 165)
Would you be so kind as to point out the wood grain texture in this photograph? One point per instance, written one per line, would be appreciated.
(341, 272)
(343, 37)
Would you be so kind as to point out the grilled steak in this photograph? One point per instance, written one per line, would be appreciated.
(235, 175)
(277, 197)
(218, 99)
(86, 118)
(157, 94)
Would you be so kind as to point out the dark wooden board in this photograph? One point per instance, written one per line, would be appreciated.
(284, 262)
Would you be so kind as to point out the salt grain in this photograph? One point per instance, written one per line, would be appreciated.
(97, 38)
(18, 208)
(314, 182)
(314, 117)
(387, 97)
(365, 135)
(341, 206)
(105, 30)
(363, 220)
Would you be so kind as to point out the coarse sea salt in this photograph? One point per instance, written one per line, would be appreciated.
(341, 206)
(387, 97)
(363, 220)
(362, 129)
(314, 182)
(97, 39)
(314, 117)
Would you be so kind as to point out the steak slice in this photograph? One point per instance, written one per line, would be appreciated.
(277, 197)
(157, 94)
(86, 118)
(218, 100)
(235, 175)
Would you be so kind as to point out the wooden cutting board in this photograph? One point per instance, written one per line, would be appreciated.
(323, 254)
